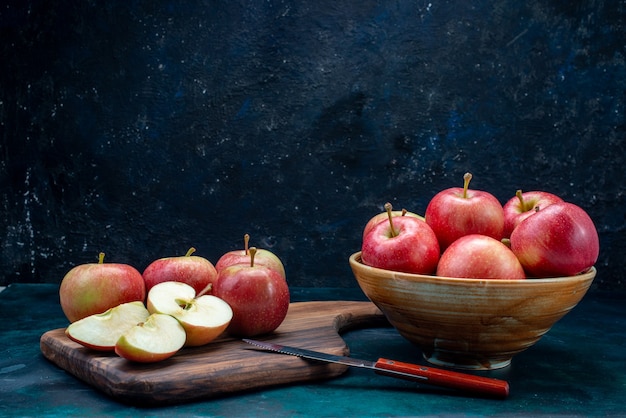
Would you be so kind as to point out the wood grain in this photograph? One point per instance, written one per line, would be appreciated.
(224, 366)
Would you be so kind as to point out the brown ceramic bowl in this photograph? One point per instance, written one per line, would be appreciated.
(470, 323)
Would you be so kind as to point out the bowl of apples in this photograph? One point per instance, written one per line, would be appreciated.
(475, 300)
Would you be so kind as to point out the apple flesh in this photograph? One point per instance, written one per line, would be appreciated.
(455, 212)
(94, 288)
(159, 337)
(479, 257)
(384, 217)
(197, 272)
(258, 296)
(403, 243)
(524, 205)
(242, 257)
(101, 331)
(558, 240)
(204, 318)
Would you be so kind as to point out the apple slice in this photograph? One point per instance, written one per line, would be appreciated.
(157, 338)
(101, 331)
(204, 318)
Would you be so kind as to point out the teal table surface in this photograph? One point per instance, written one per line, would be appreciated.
(577, 369)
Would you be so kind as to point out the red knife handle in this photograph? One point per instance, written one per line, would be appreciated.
(444, 378)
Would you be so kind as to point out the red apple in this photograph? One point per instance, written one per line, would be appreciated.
(197, 272)
(384, 217)
(479, 257)
(524, 205)
(558, 240)
(258, 296)
(455, 212)
(262, 258)
(94, 288)
(404, 243)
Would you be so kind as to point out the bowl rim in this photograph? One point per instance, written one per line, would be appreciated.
(355, 261)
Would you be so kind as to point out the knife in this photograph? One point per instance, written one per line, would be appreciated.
(407, 371)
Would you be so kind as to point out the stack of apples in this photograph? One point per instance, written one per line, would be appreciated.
(467, 233)
(177, 302)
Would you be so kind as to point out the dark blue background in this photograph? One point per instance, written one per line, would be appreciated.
(141, 128)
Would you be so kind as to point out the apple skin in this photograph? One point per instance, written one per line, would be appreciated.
(455, 212)
(159, 337)
(258, 296)
(523, 205)
(196, 271)
(558, 240)
(262, 258)
(414, 249)
(477, 256)
(383, 216)
(94, 288)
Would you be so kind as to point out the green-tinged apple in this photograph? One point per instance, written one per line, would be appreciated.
(93, 288)
(403, 243)
(262, 258)
(258, 295)
(558, 240)
(196, 271)
(159, 337)
(458, 211)
(523, 205)
(204, 318)
(477, 256)
(101, 331)
(384, 216)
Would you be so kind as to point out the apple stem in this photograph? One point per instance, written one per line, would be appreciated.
(388, 208)
(207, 289)
(526, 206)
(246, 240)
(467, 177)
(190, 251)
(101, 258)
(404, 211)
(252, 254)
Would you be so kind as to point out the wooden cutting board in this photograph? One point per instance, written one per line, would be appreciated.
(224, 366)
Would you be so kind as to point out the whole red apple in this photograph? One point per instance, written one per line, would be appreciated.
(262, 258)
(558, 240)
(258, 296)
(524, 205)
(196, 271)
(384, 216)
(404, 243)
(455, 212)
(94, 288)
(479, 257)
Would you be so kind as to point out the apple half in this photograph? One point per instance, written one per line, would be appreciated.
(101, 331)
(204, 318)
(157, 338)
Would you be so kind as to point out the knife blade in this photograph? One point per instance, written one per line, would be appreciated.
(433, 376)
